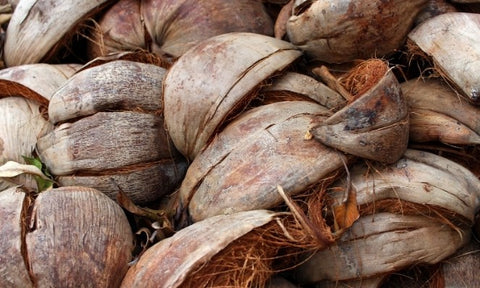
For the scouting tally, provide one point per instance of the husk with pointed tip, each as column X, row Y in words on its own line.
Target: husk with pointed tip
column 170, row 28
column 452, row 41
column 38, row 28
column 437, row 113
column 201, row 92
column 264, row 147
column 373, row 126
column 346, row 30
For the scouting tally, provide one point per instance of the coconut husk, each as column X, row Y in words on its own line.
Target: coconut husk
column 114, row 86
column 306, row 86
column 264, row 147
column 227, row 87
column 374, row 125
column 63, row 237
column 170, row 28
column 42, row 28
column 450, row 40
column 351, row 30
column 437, row 113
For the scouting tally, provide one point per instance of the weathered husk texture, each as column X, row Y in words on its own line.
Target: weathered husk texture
column 347, row 30
column 452, row 41
column 431, row 202
column 374, row 126
column 438, row 114
column 264, row 147
column 69, row 235
column 110, row 132
column 169, row 262
column 172, row 27
column 201, row 92
column 38, row 27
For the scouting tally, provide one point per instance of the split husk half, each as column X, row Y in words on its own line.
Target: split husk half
column 110, row 132
column 169, row 28
column 437, row 113
column 264, row 147
column 38, row 29
column 64, row 237
column 202, row 93
column 451, row 40
column 346, row 30
column 374, row 124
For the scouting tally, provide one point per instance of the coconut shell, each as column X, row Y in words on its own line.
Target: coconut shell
column 452, row 41
column 41, row 28
column 113, row 86
column 201, row 92
column 383, row 243
column 346, row 30
column 169, row 262
column 264, row 147
column 374, row 126
column 170, row 28
column 438, row 114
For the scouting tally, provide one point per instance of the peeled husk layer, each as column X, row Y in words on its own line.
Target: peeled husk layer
column 202, row 92
column 452, row 41
column 65, row 236
column 264, row 147
column 347, row 30
column 438, row 114
column 170, row 28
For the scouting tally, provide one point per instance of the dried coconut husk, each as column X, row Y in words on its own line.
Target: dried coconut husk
column 406, row 209
column 170, row 28
column 434, row 8
column 202, row 93
column 437, row 113
column 262, row 148
column 39, row 29
column 451, row 40
column 346, row 30
column 374, row 125
column 382, row 243
column 306, row 86
column 24, row 94
column 232, row 250
column 110, row 130
column 65, row 237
